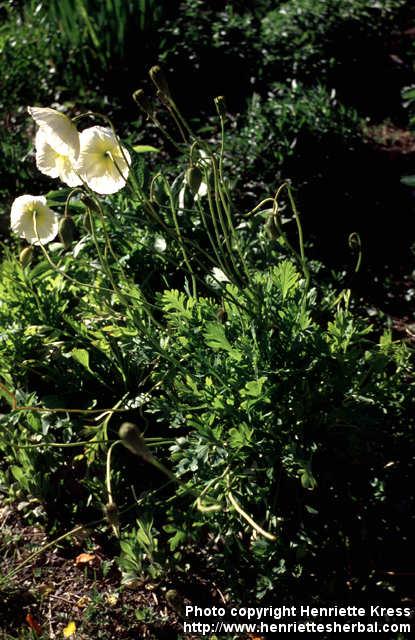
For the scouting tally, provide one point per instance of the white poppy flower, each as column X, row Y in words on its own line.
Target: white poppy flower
column 60, row 131
column 54, row 164
column 217, row 278
column 219, row 275
column 201, row 192
column 25, row 210
column 101, row 163
column 160, row 244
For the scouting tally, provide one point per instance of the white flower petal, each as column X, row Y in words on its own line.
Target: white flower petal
column 54, row 164
column 60, row 131
column 182, row 194
column 45, row 156
column 160, row 244
column 102, row 162
column 67, row 173
column 204, row 161
column 219, row 275
column 202, row 191
column 25, row 209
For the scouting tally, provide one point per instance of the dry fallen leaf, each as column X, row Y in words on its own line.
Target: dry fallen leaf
column 83, row 601
column 85, row 558
column 33, row 624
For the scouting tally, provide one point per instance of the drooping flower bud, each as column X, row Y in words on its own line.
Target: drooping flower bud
column 159, row 80
column 90, row 203
column 355, row 242
column 194, row 178
column 220, row 106
column 132, row 439
column 26, row 256
column 143, row 102
column 66, row 231
column 86, row 222
column 271, row 228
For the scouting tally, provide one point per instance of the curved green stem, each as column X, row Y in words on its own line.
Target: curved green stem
column 69, row 198
column 300, row 236
column 59, row 445
column 249, row 520
column 259, row 206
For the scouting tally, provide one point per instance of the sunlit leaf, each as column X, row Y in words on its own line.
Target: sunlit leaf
column 145, row 148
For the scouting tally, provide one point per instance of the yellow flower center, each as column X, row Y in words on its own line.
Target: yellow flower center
column 36, row 212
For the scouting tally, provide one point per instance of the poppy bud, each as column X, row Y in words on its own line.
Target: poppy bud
column 222, row 315
column 86, row 222
column 66, row 231
column 194, row 179
column 271, row 228
column 143, row 102
column 90, row 203
column 221, row 106
column 26, row 256
column 132, row 439
column 159, row 80
column 355, row 242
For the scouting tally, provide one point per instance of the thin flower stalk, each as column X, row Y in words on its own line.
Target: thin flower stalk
column 219, row 205
column 211, row 240
column 180, row 239
column 225, row 204
column 227, row 268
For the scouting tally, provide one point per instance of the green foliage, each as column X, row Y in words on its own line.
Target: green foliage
column 408, row 95
column 296, row 131
column 139, row 550
column 278, row 424
column 28, row 73
column 102, row 30
column 310, row 38
column 300, row 400
column 339, row 43
column 280, row 414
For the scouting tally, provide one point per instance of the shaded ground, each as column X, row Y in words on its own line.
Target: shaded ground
column 79, row 582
